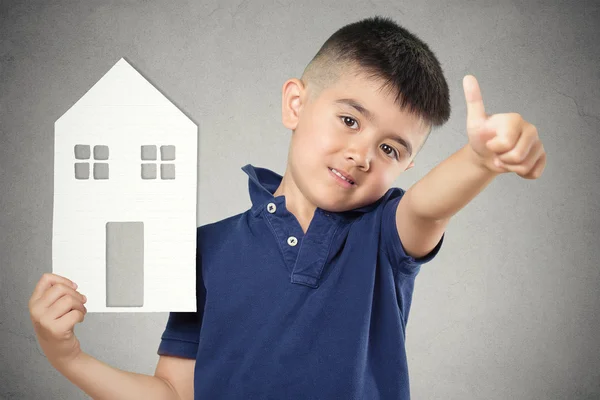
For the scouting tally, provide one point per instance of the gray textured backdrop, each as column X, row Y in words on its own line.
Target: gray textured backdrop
column 508, row 309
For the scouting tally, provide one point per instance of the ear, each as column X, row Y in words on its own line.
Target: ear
column 412, row 164
column 292, row 96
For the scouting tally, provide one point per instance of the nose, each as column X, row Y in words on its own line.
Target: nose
column 359, row 153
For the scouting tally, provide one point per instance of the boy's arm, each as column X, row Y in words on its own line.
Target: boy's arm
column 178, row 372
column 101, row 381
column 426, row 208
column 497, row 144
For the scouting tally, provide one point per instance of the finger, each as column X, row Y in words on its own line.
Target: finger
column 68, row 321
column 526, row 166
column 48, row 316
column 536, row 154
column 63, row 305
column 538, row 168
column 475, row 108
column 47, row 280
column 522, row 149
column 56, row 292
column 508, row 131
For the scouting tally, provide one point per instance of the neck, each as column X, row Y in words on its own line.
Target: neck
column 295, row 202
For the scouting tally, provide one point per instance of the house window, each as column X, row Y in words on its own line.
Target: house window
column 82, row 169
column 167, row 169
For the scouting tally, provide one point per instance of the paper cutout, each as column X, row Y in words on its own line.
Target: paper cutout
column 125, row 182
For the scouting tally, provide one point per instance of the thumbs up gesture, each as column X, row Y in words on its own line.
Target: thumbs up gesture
column 502, row 142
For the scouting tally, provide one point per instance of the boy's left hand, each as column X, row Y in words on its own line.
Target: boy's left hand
column 507, row 138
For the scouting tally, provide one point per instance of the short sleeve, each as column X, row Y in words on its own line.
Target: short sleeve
column 182, row 333
column 391, row 240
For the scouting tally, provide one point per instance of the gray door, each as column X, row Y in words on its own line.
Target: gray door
column 124, row 264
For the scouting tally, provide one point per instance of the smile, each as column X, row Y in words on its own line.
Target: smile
column 345, row 182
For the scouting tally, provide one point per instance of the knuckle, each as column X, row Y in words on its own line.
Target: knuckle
column 516, row 156
column 52, row 289
column 71, row 301
column 534, row 130
column 44, row 322
column 531, row 171
column 521, row 170
column 62, row 288
column 55, row 330
column 35, row 315
column 505, row 143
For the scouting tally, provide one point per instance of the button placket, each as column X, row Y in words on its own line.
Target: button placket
column 315, row 249
column 283, row 225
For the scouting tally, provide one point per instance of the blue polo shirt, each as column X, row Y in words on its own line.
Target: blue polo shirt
column 284, row 315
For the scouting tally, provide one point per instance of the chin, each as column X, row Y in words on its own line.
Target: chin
column 337, row 206
column 326, row 203
column 333, row 208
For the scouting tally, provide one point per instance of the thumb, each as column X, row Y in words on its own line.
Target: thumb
column 476, row 115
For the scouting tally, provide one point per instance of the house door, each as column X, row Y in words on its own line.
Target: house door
column 124, row 264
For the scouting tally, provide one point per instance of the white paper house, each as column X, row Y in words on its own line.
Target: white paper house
column 125, row 180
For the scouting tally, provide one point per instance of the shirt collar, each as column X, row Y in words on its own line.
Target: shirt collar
column 263, row 183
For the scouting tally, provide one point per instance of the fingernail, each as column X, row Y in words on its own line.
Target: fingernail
column 74, row 285
column 84, row 298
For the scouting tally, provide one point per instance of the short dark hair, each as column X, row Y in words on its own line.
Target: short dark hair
column 384, row 51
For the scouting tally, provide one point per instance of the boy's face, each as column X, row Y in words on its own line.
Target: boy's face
column 331, row 135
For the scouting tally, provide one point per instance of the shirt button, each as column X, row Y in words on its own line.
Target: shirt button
column 292, row 241
column 271, row 207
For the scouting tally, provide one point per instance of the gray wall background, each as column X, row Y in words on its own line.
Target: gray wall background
column 508, row 309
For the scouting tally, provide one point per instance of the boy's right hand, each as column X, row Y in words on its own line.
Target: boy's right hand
column 55, row 307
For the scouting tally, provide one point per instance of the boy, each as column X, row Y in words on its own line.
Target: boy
column 306, row 295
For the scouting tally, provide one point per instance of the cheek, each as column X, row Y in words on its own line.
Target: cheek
column 319, row 139
column 306, row 147
column 385, row 179
column 330, row 138
column 330, row 142
column 390, row 178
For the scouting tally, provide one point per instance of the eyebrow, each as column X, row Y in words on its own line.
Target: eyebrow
column 371, row 117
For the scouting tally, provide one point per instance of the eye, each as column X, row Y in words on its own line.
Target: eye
column 390, row 150
column 346, row 119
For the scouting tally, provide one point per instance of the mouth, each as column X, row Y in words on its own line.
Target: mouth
column 343, row 176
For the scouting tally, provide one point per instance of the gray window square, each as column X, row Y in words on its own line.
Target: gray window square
column 82, row 151
column 101, row 152
column 148, row 152
column 100, row 170
column 167, row 153
column 148, row 171
column 82, row 171
column 167, row 171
